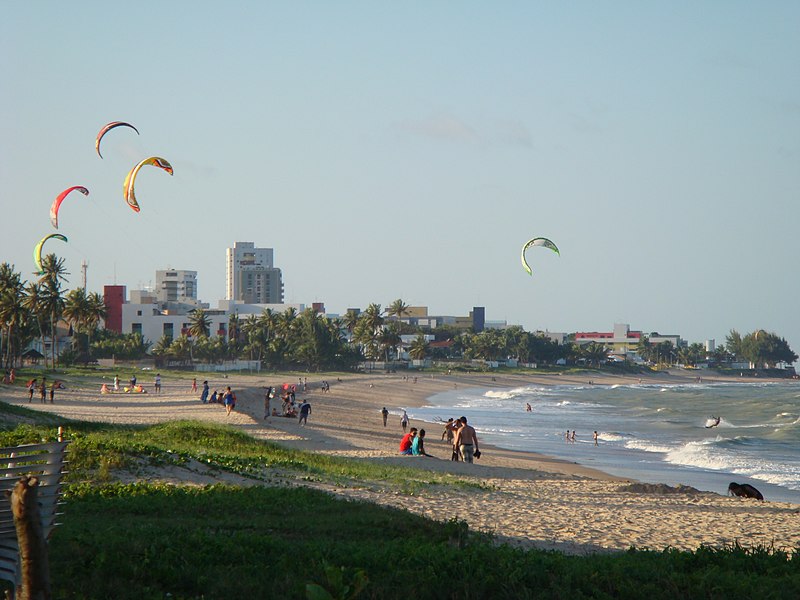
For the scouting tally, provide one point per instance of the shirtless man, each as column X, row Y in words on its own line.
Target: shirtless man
column 466, row 440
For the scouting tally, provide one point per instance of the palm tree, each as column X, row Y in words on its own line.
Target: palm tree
column 594, row 353
column 96, row 311
column 76, row 310
column 54, row 272
column 389, row 338
column 12, row 316
column 644, row 349
column 34, row 303
column 12, row 310
column 199, row 323
column 251, row 328
column 397, row 309
column 181, row 348
column 368, row 328
column 161, row 349
column 350, row 320
column 419, row 347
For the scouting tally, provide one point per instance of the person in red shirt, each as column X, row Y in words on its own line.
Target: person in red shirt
column 408, row 439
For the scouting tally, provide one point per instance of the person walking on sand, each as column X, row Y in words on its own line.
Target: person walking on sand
column 194, row 385
column 385, row 414
column 158, row 383
column 43, row 391
column 305, row 410
column 467, row 440
column 229, row 400
column 31, row 387
column 595, row 436
column 204, row 395
column 53, row 387
column 404, row 421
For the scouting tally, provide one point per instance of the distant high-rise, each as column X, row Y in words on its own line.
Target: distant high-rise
column 174, row 285
column 251, row 276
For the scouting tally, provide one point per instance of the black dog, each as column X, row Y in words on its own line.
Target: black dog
column 744, row 490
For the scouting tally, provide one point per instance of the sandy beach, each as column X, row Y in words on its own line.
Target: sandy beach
column 527, row 499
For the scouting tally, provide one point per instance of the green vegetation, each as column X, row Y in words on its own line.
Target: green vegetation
column 281, row 540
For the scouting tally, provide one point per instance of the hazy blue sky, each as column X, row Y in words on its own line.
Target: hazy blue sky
column 409, row 149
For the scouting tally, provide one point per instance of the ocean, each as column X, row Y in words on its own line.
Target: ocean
column 649, row 432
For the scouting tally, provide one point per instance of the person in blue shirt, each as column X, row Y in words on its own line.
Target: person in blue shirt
column 418, row 444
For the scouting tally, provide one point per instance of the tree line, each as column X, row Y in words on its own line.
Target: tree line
column 308, row 339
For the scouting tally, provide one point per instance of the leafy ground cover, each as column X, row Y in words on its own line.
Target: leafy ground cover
column 146, row 540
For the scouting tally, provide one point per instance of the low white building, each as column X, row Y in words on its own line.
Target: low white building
column 153, row 319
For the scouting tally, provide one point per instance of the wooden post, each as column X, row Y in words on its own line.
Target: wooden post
column 35, row 584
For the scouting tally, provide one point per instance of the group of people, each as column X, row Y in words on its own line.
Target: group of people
column 457, row 432
column 227, row 397
column 34, row 385
column 9, row 377
column 413, row 443
column 570, row 437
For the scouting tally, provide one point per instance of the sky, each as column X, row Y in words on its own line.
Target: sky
column 409, row 149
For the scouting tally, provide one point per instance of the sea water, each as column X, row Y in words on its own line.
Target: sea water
column 649, row 432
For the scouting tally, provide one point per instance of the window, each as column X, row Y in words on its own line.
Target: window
column 136, row 328
column 138, row 313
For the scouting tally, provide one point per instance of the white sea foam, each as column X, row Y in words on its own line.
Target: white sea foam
column 611, row 437
column 647, row 446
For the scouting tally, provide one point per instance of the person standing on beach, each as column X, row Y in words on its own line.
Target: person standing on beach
column 466, row 440
column 43, row 391
column 385, row 414
column 229, row 400
column 204, row 395
column 404, row 421
column 305, row 410
column 595, row 437
column 267, row 397
column 53, row 387
column 194, row 385
column 31, row 387
column 158, row 383
column 116, row 383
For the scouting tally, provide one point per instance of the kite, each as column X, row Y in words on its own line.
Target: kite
column 106, row 128
column 37, row 250
column 60, row 198
column 539, row 241
column 127, row 187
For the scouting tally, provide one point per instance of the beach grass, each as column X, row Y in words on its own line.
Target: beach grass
column 155, row 540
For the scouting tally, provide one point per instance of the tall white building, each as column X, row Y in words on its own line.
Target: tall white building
column 174, row 285
column 251, row 276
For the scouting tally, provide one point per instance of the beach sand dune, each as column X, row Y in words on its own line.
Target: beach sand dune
column 522, row 498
